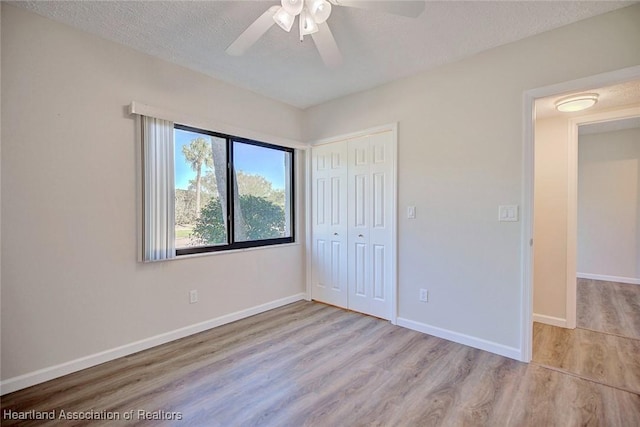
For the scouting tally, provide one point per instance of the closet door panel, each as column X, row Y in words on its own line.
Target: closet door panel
column 359, row 223
column 370, row 225
column 329, row 229
column 382, row 233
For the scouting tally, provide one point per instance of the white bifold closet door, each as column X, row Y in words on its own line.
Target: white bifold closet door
column 329, row 219
column 353, row 225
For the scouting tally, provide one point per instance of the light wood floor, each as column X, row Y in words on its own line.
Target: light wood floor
column 316, row 365
column 600, row 357
column 609, row 307
column 605, row 347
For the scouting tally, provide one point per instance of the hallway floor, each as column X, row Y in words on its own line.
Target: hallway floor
column 605, row 347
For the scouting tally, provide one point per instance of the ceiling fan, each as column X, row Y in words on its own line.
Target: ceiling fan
column 312, row 20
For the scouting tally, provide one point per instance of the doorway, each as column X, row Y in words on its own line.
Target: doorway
column 555, row 230
column 566, row 294
column 560, row 297
column 605, row 340
column 608, row 228
column 617, row 259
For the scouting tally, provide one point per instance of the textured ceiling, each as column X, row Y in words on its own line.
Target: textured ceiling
column 377, row 47
column 612, row 126
column 614, row 96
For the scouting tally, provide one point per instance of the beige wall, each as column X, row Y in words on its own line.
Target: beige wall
column 550, row 217
column 460, row 156
column 71, row 285
column 608, row 204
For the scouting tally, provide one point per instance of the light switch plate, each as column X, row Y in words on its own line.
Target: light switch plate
column 411, row 212
column 508, row 213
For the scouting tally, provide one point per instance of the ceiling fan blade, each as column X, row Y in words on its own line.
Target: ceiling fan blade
column 253, row 33
column 408, row 8
column 326, row 44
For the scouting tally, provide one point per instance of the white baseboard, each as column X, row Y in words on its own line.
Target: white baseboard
column 502, row 350
column 32, row 378
column 550, row 320
column 604, row 278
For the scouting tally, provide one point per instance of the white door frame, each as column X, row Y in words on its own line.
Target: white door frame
column 599, row 80
column 393, row 128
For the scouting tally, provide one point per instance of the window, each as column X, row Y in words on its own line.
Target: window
column 230, row 192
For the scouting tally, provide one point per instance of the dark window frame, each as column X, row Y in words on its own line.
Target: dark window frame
column 231, row 243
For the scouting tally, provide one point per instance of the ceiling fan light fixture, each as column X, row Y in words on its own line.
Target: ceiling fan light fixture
column 293, row 7
column 307, row 24
column 574, row 103
column 284, row 19
column 313, row 16
column 320, row 10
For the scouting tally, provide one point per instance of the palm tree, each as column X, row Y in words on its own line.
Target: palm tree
column 199, row 154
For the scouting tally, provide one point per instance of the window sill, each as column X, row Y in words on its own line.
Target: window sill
column 228, row 252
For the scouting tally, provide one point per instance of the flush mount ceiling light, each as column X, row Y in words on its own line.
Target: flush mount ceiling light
column 574, row 103
column 312, row 16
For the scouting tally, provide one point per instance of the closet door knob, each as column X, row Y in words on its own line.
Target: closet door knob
column 360, row 235
column 335, row 234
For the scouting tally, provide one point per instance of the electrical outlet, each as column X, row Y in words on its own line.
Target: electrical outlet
column 424, row 295
column 193, row 296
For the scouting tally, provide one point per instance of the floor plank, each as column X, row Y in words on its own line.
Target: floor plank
column 609, row 307
column 605, row 358
column 308, row 364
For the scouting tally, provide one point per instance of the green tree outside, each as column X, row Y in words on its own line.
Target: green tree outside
column 198, row 153
column 263, row 220
column 200, row 210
